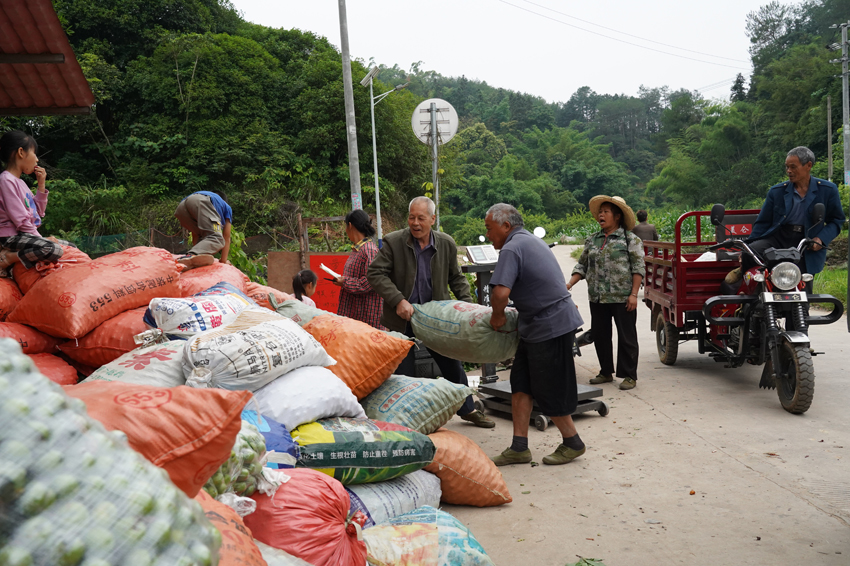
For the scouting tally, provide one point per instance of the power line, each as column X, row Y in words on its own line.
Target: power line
column 631, row 35
column 617, row 39
column 718, row 84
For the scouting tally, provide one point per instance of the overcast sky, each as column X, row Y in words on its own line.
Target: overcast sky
column 541, row 47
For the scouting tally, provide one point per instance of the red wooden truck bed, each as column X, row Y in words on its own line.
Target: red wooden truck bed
column 675, row 283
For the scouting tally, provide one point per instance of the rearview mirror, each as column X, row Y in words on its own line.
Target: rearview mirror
column 718, row 212
column 818, row 213
column 540, row 232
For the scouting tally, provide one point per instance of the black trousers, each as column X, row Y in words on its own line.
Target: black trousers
column 627, row 342
column 451, row 369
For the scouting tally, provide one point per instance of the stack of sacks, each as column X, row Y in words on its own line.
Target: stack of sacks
column 424, row 537
column 88, row 303
column 196, row 280
column 467, row 475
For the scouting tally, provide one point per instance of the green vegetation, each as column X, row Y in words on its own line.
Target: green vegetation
column 189, row 96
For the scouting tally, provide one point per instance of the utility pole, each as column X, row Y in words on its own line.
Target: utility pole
column 350, row 125
column 829, row 135
column 845, row 79
column 435, row 176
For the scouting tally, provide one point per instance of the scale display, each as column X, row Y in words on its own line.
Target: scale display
column 482, row 254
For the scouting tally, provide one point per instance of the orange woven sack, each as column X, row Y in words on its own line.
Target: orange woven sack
column 31, row 340
column 54, row 368
column 237, row 543
column 10, row 296
column 75, row 300
column 186, row 431
column 202, row 278
column 260, row 294
column 26, row 278
column 308, row 518
column 467, row 475
column 109, row 341
column 365, row 357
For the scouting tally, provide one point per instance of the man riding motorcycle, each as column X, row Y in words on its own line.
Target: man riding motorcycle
column 785, row 217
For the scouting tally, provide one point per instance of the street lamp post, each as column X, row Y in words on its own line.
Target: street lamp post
column 375, row 100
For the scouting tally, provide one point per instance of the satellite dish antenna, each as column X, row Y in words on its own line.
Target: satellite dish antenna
column 435, row 123
column 540, row 232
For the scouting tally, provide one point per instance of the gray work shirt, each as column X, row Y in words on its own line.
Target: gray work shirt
column 422, row 289
column 538, row 289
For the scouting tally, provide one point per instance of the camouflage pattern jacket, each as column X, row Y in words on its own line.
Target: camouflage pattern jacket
column 608, row 263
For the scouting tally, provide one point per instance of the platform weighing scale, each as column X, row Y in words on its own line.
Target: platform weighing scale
column 494, row 394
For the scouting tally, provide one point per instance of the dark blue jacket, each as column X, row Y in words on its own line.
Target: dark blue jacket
column 779, row 202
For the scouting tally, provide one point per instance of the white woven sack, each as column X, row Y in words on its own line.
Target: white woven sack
column 252, row 351
column 185, row 317
column 160, row 365
column 306, row 395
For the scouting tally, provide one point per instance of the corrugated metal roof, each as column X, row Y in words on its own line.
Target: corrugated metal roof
column 30, row 84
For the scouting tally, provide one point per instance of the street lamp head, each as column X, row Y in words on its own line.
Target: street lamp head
column 369, row 76
column 399, row 87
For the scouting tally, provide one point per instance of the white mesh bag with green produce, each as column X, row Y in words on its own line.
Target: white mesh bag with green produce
column 244, row 473
column 73, row 493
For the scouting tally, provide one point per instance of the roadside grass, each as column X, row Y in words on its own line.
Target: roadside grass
column 832, row 281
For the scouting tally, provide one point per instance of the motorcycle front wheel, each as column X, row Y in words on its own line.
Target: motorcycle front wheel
column 795, row 382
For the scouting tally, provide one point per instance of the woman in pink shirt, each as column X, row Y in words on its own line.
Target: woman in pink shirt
column 20, row 210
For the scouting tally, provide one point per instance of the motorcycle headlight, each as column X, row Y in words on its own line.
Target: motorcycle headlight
column 786, row 276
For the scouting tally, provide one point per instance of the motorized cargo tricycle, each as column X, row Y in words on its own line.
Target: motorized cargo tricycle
column 762, row 319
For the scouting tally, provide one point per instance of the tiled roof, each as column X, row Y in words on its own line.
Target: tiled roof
column 39, row 74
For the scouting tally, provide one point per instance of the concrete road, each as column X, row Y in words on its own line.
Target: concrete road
column 696, row 465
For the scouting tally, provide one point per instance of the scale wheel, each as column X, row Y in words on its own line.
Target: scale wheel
column 541, row 422
column 479, row 405
column 603, row 410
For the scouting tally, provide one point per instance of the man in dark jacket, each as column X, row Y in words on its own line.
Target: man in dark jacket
column 644, row 230
column 786, row 217
column 417, row 265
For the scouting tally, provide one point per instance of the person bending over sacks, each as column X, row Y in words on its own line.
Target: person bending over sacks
column 208, row 217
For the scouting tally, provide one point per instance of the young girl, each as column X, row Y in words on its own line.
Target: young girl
column 20, row 210
column 304, row 285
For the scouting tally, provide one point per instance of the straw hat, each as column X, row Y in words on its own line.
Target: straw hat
column 629, row 220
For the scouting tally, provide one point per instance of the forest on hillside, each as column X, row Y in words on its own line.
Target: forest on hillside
column 189, row 96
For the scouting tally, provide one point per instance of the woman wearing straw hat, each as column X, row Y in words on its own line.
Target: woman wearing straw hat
column 612, row 263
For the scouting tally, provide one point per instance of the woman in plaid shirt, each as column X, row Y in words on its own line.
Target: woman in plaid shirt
column 357, row 299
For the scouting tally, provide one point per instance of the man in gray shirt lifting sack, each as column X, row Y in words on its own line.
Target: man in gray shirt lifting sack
column 543, row 369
